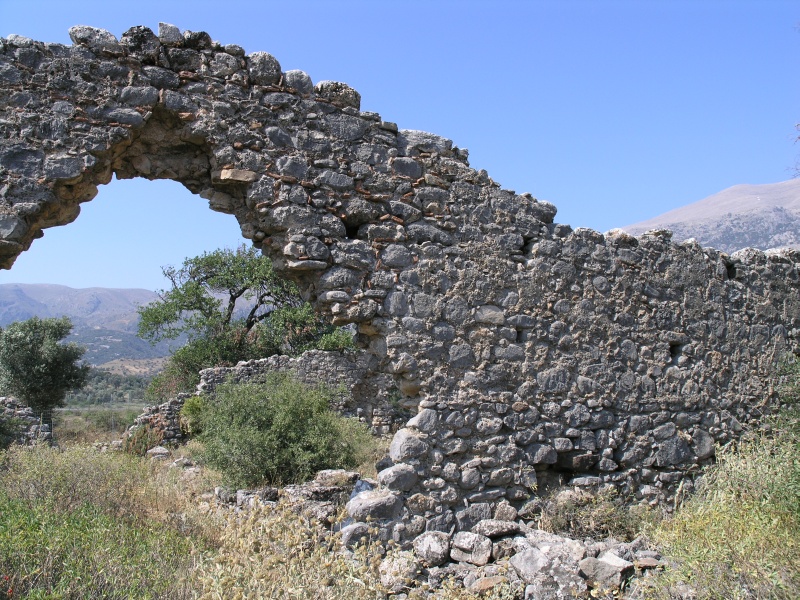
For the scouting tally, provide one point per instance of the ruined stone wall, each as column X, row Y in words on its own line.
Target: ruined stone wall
column 368, row 396
column 532, row 351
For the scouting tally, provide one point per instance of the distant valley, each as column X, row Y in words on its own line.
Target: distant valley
column 104, row 320
column 756, row 216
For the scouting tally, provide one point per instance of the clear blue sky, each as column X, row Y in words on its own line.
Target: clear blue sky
column 615, row 111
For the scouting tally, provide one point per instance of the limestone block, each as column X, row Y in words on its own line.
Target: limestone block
column 375, row 504
column 529, row 564
column 237, row 176
column 433, row 548
column 97, row 40
column 607, row 572
column 470, row 547
column 264, row 68
column 407, row 444
column 398, row 570
column 493, row 528
column 338, row 93
column 400, row 477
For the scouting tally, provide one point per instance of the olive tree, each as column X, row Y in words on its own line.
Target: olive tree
column 232, row 306
column 36, row 367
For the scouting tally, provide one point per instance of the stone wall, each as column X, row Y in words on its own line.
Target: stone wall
column 371, row 397
column 368, row 396
column 533, row 352
column 21, row 420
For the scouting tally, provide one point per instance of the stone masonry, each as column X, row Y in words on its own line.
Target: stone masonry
column 530, row 350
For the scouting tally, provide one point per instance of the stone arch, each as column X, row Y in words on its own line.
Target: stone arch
column 526, row 348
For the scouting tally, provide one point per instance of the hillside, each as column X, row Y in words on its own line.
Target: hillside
column 104, row 320
column 757, row 216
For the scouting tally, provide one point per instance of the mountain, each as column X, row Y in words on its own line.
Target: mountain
column 104, row 320
column 756, row 216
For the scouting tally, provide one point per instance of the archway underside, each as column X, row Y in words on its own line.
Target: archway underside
column 528, row 350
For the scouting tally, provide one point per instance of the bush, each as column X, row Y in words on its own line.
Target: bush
column 605, row 513
column 192, row 414
column 11, row 430
column 278, row 432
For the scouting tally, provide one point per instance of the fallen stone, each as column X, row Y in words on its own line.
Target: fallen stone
column 529, row 564
column 608, row 572
column 398, row 571
column 376, row 505
column 433, row 548
column 336, row 477
column 158, row 453
column 469, row 547
column 485, row 585
column 493, row 528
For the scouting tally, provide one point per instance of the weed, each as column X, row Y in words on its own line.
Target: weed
column 739, row 536
column 141, row 439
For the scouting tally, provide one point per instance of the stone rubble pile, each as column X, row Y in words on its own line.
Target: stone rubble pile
column 495, row 546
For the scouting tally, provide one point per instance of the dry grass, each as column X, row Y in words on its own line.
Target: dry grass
column 86, row 425
column 579, row 514
column 274, row 552
column 739, row 537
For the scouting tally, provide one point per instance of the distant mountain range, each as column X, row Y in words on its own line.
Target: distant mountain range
column 104, row 320
column 755, row 216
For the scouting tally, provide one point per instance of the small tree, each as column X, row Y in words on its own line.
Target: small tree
column 35, row 367
column 233, row 307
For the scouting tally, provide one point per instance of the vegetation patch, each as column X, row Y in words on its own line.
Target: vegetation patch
column 738, row 537
column 84, row 524
column 276, row 432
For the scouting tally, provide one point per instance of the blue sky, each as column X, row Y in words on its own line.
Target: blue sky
column 615, row 111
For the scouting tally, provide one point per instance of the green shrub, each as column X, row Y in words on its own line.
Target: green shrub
column 278, row 432
column 67, row 479
column 11, row 429
column 338, row 339
column 80, row 523
column 84, row 553
column 192, row 414
column 141, row 439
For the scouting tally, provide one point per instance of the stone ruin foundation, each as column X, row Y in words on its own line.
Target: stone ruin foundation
column 529, row 352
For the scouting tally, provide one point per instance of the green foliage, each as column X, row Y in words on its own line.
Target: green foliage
column 35, row 367
column 790, row 385
column 278, row 432
column 193, row 414
column 141, row 439
column 193, row 305
column 10, row 431
column 79, row 524
column 103, row 387
column 205, row 304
